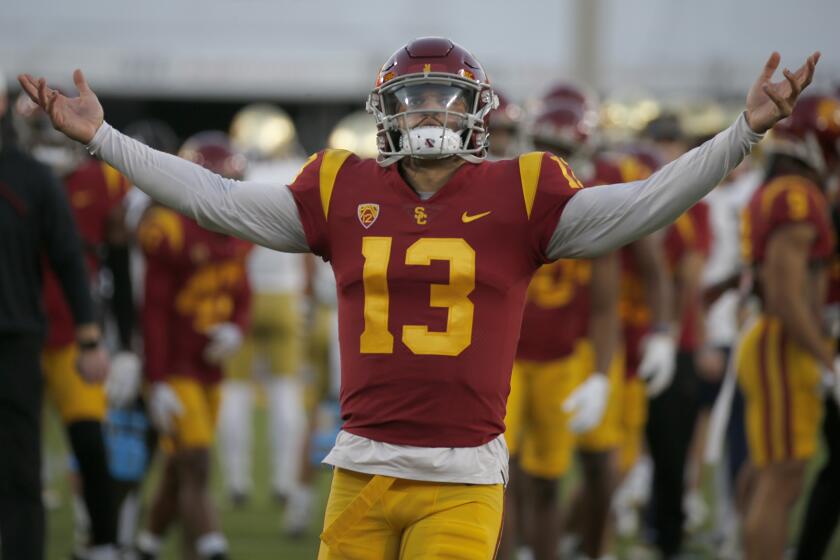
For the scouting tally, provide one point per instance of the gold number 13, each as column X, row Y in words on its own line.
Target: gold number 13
column 377, row 339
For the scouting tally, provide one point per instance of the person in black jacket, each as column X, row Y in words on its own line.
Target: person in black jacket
column 35, row 222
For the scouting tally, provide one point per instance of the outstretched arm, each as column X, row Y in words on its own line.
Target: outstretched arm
column 263, row 213
column 600, row 219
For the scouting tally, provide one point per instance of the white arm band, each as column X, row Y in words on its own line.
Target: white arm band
column 263, row 213
column 600, row 219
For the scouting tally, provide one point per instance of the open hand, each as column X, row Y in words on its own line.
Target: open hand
column 769, row 102
column 77, row 117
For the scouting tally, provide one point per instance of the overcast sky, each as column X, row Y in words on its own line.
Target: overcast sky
column 332, row 49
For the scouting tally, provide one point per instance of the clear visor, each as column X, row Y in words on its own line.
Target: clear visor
column 430, row 105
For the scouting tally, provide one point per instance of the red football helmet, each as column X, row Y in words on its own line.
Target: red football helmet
column 564, row 128
column 567, row 121
column 505, row 122
column 212, row 149
column 431, row 100
column 811, row 133
column 506, row 115
column 563, row 93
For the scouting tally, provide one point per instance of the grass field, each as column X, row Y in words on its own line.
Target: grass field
column 254, row 531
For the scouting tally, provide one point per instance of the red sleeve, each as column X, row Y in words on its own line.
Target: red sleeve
column 159, row 240
column 306, row 188
column 556, row 186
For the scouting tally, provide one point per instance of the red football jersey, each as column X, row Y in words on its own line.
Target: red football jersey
column 94, row 190
column 430, row 292
column 556, row 311
column 634, row 312
column 633, row 307
column 195, row 279
column 557, row 306
column 691, row 232
column 781, row 201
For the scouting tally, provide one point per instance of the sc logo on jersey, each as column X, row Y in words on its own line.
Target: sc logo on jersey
column 420, row 216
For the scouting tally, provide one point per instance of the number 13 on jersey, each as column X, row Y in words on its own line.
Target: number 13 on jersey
column 454, row 296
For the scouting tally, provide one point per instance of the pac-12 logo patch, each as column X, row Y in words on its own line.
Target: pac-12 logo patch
column 368, row 213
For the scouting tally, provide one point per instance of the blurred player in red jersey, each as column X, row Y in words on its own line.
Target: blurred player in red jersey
column 648, row 343
column 194, row 312
column 433, row 249
column 788, row 240
column 95, row 191
column 505, row 121
column 585, row 319
column 823, row 509
column 559, row 388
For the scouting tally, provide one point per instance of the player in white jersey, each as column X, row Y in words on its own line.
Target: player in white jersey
column 273, row 346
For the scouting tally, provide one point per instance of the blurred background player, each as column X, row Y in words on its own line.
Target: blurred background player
column 195, row 311
column 273, row 344
column 505, row 123
column 788, row 240
column 131, row 439
column 823, row 507
column 95, row 191
column 572, row 314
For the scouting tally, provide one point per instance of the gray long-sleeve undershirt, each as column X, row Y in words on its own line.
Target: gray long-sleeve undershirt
column 595, row 221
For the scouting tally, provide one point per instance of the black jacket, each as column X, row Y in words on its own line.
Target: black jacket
column 36, row 222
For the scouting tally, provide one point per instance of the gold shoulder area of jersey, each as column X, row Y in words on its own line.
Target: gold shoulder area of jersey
column 158, row 225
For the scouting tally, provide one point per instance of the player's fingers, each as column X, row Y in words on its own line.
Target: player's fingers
column 42, row 92
column 770, row 67
column 779, row 101
column 29, row 85
column 80, row 81
column 54, row 106
column 808, row 70
column 795, row 88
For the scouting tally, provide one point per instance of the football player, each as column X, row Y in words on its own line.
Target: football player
column 823, row 509
column 788, row 240
column 194, row 313
column 433, row 250
column 505, row 121
column 267, row 135
column 96, row 192
column 561, row 383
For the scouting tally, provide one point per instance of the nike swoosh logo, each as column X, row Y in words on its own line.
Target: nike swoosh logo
column 467, row 218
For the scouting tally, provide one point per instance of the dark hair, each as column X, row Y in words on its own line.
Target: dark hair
column 664, row 128
column 783, row 164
